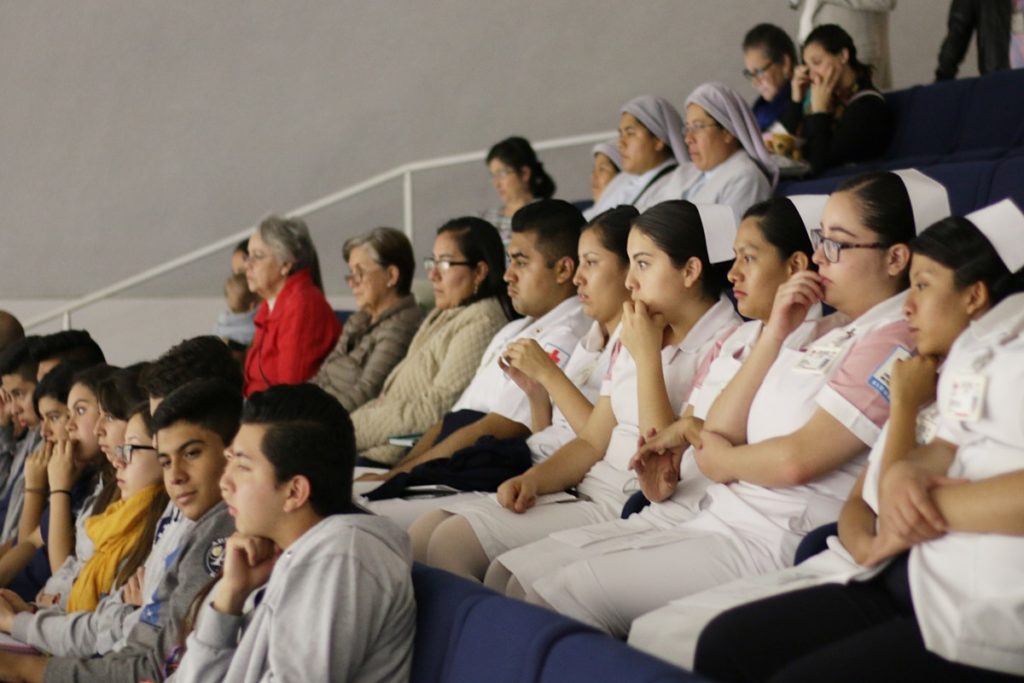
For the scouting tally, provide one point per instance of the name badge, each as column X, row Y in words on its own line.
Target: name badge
column 966, row 397
column 927, row 425
column 818, row 360
column 881, row 378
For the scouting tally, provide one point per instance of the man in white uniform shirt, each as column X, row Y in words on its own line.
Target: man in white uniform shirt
column 542, row 261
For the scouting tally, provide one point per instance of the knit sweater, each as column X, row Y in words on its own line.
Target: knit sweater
column 441, row 361
column 367, row 351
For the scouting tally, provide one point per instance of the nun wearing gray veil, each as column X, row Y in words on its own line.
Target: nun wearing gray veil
column 729, row 163
column 654, row 167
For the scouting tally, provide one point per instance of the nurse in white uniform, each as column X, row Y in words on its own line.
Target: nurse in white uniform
column 651, row 149
column 725, row 145
column 773, row 243
column 956, row 275
column 786, row 439
column 677, row 271
column 951, row 608
column 561, row 403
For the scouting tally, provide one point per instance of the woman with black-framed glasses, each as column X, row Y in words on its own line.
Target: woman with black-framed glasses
column 768, row 60
column 786, row 439
column 470, row 305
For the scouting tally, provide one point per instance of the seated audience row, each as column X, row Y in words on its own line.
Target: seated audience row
column 138, row 551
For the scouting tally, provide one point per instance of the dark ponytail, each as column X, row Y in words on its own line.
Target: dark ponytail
column 675, row 228
column 516, row 152
column 479, row 241
column 957, row 244
column 833, row 40
column 783, row 228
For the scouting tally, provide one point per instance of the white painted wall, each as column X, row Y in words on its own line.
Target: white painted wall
column 136, row 130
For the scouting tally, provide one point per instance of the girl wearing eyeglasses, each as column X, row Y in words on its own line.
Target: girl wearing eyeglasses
column 471, row 304
column 939, row 505
column 785, row 439
column 768, row 60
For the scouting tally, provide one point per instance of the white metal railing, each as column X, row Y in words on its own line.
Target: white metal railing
column 405, row 172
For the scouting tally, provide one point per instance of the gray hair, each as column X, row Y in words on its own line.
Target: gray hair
column 289, row 241
column 389, row 247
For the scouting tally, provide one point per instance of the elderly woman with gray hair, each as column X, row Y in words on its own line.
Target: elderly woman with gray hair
column 295, row 326
column 381, row 267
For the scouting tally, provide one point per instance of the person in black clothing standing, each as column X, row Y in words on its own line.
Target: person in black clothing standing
column 992, row 20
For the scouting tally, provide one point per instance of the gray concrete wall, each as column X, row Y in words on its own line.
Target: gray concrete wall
column 136, row 130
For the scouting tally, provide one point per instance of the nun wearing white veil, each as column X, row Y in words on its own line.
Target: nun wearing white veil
column 723, row 143
column 651, row 148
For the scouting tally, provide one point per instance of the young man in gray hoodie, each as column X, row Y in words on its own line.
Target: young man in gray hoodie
column 193, row 426
column 332, row 589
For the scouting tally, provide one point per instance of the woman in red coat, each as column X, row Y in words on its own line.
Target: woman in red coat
column 295, row 326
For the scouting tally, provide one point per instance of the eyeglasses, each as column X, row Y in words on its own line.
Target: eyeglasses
column 832, row 249
column 125, row 452
column 757, row 73
column 503, row 173
column 358, row 274
column 443, row 265
column 698, row 126
column 257, row 256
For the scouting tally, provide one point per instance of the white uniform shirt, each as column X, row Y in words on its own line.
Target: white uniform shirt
column 737, row 182
column 767, row 518
column 586, row 369
column 679, row 365
column 968, row 589
column 722, row 364
column 491, row 391
column 626, row 188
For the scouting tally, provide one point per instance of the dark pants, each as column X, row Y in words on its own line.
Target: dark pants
column 857, row 632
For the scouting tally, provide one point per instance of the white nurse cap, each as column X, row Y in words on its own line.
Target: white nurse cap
column 719, row 224
column 1003, row 224
column 928, row 198
column 810, row 208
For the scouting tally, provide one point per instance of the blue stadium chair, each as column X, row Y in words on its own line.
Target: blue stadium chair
column 442, row 603
column 930, row 125
column 594, row 657
column 1008, row 181
column 994, row 118
column 967, row 183
column 505, row 641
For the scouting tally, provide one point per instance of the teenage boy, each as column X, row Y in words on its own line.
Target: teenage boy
column 335, row 592
column 67, row 346
column 542, row 261
column 193, row 426
column 106, row 629
column 17, row 383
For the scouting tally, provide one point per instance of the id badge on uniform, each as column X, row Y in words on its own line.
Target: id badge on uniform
column 881, row 378
column 818, row 360
column 966, row 397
